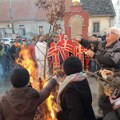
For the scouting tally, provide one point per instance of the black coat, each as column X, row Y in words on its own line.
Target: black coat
column 76, row 102
column 107, row 57
column 113, row 115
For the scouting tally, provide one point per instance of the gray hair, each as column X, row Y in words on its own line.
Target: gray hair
column 115, row 31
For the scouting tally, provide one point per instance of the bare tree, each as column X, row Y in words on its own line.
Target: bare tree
column 55, row 10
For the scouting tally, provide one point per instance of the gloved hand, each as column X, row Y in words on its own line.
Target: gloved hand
column 55, row 77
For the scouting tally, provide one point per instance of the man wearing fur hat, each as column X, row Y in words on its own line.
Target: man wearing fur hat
column 107, row 52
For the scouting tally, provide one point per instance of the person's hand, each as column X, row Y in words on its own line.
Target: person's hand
column 115, row 102
column 112, row 99
column 54, row 77
column 105, row 73
column 90, row 53
column 77, row 38
column 58, row 78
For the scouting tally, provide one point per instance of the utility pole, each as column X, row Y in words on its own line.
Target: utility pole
column 11, row 19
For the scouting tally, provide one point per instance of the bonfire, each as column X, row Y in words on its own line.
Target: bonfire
column 48, row 109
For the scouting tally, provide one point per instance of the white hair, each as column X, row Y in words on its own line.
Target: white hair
column 115, row 31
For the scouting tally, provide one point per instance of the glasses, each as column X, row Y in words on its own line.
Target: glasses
column 108, row 33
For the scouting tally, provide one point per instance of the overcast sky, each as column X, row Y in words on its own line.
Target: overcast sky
column 114, row 1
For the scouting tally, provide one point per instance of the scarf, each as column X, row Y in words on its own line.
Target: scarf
column 71, row 78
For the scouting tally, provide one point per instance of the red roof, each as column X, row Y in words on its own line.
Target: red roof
column 21, row 10
column 26, row 9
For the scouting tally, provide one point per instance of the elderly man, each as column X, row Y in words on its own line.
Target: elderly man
column 107, row 53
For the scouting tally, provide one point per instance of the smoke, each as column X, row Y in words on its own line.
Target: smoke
column 4, row 79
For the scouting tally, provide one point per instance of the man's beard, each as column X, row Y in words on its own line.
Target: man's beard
column 55, row 41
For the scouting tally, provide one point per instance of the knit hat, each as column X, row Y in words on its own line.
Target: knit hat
column 20, row 77
column 72, row 65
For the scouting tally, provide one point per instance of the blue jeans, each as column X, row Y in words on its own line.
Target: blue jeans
column 93, row 66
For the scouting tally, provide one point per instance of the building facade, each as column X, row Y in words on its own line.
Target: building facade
column 29, row 20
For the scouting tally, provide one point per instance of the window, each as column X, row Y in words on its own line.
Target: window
column 41, row 31
column 96, row 27
column 3, row 32
column 22, row 30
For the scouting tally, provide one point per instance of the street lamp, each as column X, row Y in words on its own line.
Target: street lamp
column 76, row 2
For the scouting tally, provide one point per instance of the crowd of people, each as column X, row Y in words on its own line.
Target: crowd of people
column 59, row 48
column 9, row 53
column 74, row 97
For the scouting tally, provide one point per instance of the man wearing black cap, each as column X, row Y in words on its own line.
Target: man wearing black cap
column 21, row 102
column 74, row 96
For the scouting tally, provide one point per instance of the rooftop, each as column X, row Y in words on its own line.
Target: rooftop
column 25, row 10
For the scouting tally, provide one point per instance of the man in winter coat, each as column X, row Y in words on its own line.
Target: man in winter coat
column 108, row 52
column 74, row 96
column 107, row 55
column 21, row 102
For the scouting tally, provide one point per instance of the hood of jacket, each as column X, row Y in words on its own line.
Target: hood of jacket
column 21, row 101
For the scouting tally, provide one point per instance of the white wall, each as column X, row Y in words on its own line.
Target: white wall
column 30, row 26
column 105, row 23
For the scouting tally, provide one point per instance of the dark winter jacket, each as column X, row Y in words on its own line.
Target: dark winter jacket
column 106, row 106
column 113, row 115
column 22, row 103
column 107, row 57
column 75, row 101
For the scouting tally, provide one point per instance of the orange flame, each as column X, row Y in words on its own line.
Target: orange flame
column 49, row 107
